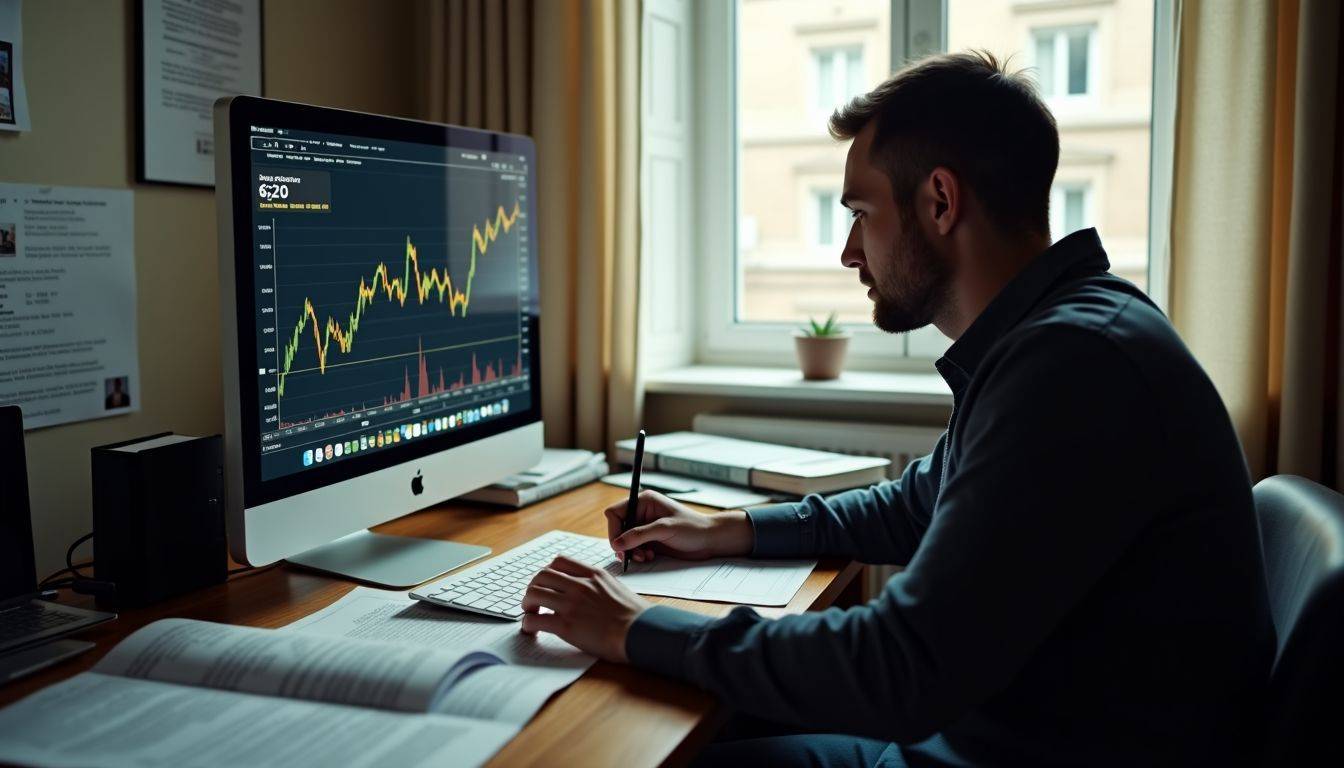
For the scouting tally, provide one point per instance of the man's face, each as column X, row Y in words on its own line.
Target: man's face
column 907, row 280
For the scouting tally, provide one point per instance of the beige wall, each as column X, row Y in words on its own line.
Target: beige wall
column 79, row 65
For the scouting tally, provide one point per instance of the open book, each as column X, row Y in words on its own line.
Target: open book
column 181, row 692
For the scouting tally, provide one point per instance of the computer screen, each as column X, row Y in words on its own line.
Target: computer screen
column 392, row 294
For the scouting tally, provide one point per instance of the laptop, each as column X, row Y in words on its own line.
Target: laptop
column 26, row 621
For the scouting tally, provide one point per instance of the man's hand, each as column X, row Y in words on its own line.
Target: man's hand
column 665, row 526
column 590, row 609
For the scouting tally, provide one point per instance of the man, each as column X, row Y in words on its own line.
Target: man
column 1083, row 580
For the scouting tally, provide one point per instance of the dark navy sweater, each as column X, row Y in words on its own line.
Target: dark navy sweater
column 1083, row 580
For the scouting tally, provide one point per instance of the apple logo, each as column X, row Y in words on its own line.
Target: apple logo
column 417, row 484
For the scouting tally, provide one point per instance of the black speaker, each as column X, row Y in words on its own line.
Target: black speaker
column 158, row 517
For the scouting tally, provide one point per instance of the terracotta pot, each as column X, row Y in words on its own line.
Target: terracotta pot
column 821, row 357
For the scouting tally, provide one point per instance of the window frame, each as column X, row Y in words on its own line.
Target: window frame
column 1068, row 102
column 721, row 338
column 918, row 27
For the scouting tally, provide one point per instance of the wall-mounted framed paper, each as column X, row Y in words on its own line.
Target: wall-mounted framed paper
column 190, row 53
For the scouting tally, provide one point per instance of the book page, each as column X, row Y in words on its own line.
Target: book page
column 373, row 614
column 290, row 665
column 94, row 719
column 536, row 668
column 504, row 693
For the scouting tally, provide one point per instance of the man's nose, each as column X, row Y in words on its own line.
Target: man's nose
column 852, row 254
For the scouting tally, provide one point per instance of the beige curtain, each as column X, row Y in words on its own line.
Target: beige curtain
column 567, row 72
column 1255, row 219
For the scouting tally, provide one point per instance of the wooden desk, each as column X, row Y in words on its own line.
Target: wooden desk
column 661, row 721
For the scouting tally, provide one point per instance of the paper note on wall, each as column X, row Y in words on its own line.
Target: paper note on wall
column 68, row 347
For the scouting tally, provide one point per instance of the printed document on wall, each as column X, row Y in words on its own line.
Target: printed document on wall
column 191, row 54
column 68, row 349
column 13, row 95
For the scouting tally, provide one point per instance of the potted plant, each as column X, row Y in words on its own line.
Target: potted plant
column 821, row 348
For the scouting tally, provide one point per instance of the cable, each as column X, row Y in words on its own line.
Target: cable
column 77, row 580
column 69, row 570
column 58, row 584
column 70, row 556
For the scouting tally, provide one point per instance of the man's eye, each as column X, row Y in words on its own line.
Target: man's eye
column 854, row 214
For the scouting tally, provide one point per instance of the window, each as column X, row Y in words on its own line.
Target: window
column 796, row 62
column 768, row 73
column 837, row 77
column 830, row 220
column 1070, row 208
column 1063, row 61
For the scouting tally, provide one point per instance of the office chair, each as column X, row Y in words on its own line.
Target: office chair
column 1302, row 531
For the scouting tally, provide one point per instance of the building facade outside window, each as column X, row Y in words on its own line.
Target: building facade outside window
column 795, row 57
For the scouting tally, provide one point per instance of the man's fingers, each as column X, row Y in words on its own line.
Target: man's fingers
column 541, row 622
column 615, row 521
column 553, row 579
column 644, row 534
column 537, row 597
column 571, row 567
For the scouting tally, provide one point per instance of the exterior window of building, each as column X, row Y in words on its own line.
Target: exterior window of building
column 1070, row 208
column 838, row 73
column 831, row 220
column 796, row 62
column 1064, row 61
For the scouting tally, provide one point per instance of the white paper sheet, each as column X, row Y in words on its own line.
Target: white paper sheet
column 94, row 719
column 692, row 490
column 193, row 53
column 68, row 345
column 725, row 580
column 13, row 93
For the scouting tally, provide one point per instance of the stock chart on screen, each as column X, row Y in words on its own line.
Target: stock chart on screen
column 392, row 279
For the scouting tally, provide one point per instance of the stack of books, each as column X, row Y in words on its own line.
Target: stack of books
column 559, row 471
column 751, row 464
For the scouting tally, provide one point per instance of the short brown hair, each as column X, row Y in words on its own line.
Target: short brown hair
column 966, row 112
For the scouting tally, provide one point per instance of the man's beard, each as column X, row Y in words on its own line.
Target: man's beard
column 915, row 287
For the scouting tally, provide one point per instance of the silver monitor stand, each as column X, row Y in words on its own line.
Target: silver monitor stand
column 399, row 562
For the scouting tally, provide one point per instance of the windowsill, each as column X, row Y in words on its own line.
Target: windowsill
column 887, row 388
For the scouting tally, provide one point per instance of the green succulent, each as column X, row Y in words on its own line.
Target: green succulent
column 828, row 328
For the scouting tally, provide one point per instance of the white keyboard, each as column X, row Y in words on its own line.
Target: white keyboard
column 496, row 586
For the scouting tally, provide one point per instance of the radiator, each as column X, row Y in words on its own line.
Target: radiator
column 898, row 443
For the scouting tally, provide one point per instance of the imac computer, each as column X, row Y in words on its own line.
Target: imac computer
column 379, row 306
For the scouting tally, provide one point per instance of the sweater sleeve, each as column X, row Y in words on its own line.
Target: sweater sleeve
column 880, row 524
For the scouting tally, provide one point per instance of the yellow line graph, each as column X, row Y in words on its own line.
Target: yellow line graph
column 431, row 284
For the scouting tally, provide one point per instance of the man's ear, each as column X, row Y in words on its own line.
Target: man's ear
column 945, row 194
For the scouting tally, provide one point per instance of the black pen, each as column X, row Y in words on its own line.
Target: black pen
column 632, row 506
